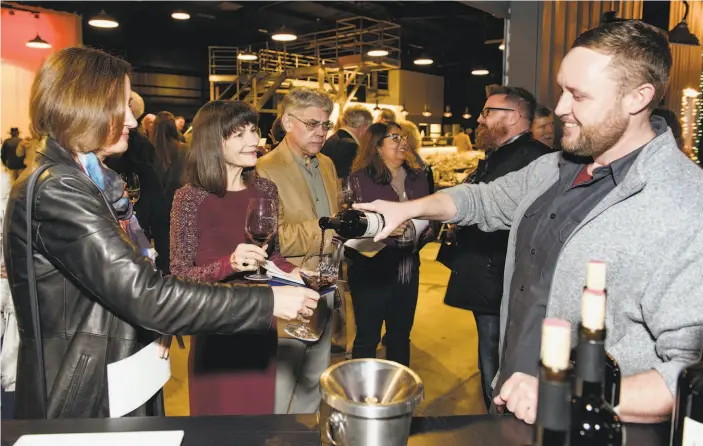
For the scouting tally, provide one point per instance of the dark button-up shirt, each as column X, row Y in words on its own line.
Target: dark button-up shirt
column 546, row 227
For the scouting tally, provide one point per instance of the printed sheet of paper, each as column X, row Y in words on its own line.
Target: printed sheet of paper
column 133, row 380
column 275, row 271
column 161, row 438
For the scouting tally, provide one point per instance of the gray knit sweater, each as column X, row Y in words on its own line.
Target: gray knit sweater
column 647, row 230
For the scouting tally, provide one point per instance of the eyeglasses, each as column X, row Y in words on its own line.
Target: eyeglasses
column 486, row 111
column 396, row 137
column 313, row 125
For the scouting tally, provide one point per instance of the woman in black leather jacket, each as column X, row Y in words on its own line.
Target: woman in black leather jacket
column 95, row 290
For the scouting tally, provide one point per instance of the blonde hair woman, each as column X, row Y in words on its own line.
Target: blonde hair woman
column 414, row 139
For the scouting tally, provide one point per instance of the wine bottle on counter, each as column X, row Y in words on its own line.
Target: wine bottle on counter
column 351, row 223
column 687, row 419
column 595, row 280
column 593, row 421
column 554, row 409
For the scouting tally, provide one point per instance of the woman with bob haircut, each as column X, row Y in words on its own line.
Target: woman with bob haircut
column 235, row 374
column 95, row 290
column 384, row 288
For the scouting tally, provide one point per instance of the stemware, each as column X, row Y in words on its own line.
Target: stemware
column 319, row 271
column 260, row 227
column 132, row 186
column 350, row 193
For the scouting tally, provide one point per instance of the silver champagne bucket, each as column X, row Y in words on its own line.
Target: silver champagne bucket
column 368, row 402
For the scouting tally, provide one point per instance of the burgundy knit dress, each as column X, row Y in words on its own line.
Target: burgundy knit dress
column 227, row 374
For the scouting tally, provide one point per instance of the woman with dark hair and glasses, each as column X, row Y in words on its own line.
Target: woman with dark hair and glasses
column 170, row 153
column 228, row 375
column 384, row 287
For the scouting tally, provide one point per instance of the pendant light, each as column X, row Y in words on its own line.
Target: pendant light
column 379, row 51
column 180, row 15
column 376, row 108
column 247, row 56
column 426, row 112
column 424, row 59
column 479, row 71
column 681, row 34
column 447, row 112
column 404, row 111
column 502, row 46
column 466, row 114
column 103, row 20
column 38, row 42
column 284, row 35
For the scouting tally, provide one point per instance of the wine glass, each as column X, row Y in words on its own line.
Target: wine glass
column 319, row 271
column 132, row 186
column 407, row 238
column 260, row 227
column 350, row 192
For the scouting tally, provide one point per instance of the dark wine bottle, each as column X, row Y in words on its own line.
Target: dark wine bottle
column 687, row 419
column 593, row 421
column 351, row 223
column 554, row 400
column 595, row 280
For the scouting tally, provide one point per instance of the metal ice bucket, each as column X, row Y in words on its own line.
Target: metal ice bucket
column 368, row 402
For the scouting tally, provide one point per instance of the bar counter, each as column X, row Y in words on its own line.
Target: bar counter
column 302, row 430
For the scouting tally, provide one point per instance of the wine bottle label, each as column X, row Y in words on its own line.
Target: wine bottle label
column 692, row 432
column 374, row 224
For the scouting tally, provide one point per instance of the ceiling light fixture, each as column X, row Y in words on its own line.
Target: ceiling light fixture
column 376, row 108
column 247, row 55
column 284, row 35
column 466, row 114
column 38, row 42
column 426, row 112
column 423, row 60
column 180, row 15
column 404, row 111
column 377, row 53
column 103, row 20
column 480, row 72
column 501, row 46
column 447, row 112
column 681, row 34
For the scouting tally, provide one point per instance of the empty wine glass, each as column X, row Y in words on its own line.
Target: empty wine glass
column 407, row 238
column 260, row 227
column 132, row 186
column 319, row 270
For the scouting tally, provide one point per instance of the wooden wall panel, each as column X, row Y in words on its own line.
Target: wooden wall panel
column 561, row 22
column 688, row 60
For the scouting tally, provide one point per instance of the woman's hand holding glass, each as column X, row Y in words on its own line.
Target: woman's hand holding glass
column 247, row 257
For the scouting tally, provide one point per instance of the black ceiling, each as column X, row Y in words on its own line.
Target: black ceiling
column 452, row 33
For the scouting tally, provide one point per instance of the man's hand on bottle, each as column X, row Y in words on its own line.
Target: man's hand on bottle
column 291, row 302
column 394, row 215
column 519, row 396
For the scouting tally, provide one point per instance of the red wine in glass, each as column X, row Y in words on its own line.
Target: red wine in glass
column 260, row 227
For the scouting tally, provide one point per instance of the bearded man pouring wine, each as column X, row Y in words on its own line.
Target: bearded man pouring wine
column 622, row 192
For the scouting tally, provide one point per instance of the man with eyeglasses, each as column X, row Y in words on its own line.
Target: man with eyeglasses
column 477, row 258
column 307, row 189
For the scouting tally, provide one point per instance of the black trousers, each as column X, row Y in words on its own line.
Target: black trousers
column 377, row 297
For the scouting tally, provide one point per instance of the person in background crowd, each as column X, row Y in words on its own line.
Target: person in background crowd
column 79, row 103
column 672, row 121
column 384, row 288
column 10, row 158
column 9, row 334
column 342, row 146
column 308, row 189
column 386, row 115
column 147, row 124
column 543, row 126
column 170, row 153
column 477, row 258
column 209, row 244
column 413, row 146
column 462, row 141
column 277, row 133
column 151, row 206
column 180, row 124
column 620, row 167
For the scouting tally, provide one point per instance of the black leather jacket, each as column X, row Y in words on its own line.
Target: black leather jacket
column 95, row 292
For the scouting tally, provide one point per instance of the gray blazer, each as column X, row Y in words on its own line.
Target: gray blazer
column 647, row 230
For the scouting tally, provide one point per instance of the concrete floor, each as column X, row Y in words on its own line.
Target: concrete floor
column 444, row 346
column 444, row 351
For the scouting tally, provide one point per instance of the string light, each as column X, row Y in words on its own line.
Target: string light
column 699, row 133
column 690, row 108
